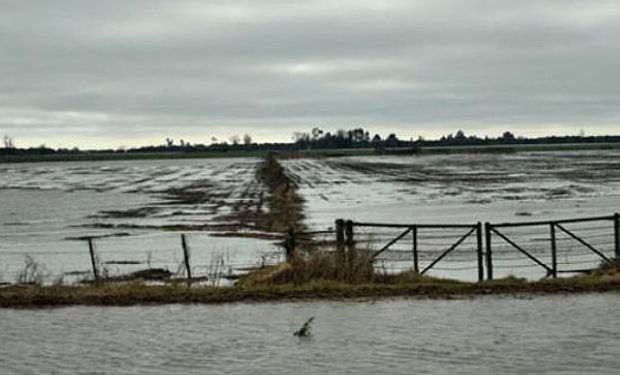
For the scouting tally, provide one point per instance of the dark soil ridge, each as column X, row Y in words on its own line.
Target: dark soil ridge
column 285, row 205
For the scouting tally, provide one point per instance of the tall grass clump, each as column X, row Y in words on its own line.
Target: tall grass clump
column 330, row 267
column 32, row 273
column 607, row 268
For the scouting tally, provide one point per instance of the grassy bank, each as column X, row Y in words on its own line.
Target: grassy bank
column 138, row 293
column 315, row 277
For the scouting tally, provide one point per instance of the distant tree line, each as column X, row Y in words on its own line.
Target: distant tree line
column 353, row 138
column 508, row 138
column 316, row 139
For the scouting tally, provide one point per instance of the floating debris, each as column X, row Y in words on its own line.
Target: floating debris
column 304, row 331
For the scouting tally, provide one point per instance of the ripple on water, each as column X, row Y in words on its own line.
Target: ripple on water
column 557, row 334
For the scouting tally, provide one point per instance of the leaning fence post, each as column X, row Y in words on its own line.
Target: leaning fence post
column 188, row 268
column 340, row 236
column 350, row 242
column 93, row 260
column 414, row 231
column 489, row 255
column 554, row 251
column 617, row 237
column 479, row 252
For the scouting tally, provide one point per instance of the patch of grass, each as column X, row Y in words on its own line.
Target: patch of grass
column 329, row 267
column 136, row 293
column 32, row 273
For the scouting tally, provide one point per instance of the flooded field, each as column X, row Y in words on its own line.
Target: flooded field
column 465, row 189
column 136, row 209
column 573, row 334
column 139, row 208
column 459, row 188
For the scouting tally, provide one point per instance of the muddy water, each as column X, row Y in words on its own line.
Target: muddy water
column 490, row 335
column 495, row 188
column 45, row 207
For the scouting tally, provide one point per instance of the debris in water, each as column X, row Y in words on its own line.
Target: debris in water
column 304, row 331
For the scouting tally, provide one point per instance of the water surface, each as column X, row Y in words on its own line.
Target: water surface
column 486, row 335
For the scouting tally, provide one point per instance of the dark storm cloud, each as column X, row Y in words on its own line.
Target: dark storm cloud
column 116, row 71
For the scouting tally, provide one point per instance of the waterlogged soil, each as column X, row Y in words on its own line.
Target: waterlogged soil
column 528, row 183
column 568, row 334
column 137, row 209
column 465, row 189
column 133, row 209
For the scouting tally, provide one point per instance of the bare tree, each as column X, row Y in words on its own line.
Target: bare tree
column 234, row 139
column 247, row 139
column 8, row 142
column 316, row 133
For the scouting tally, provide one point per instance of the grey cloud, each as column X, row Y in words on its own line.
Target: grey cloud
column 132, row 70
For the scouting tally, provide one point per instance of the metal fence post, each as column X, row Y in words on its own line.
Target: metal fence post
column 489, row 253
column 340, row 237
column 290, row 243
column 186, row 257
column 554, row 251
column 617, row 237
column 350, row 241
column 416, row 266
column 479, row 252
column 93, row 260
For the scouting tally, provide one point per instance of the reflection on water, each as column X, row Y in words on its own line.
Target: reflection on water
column 550, row 334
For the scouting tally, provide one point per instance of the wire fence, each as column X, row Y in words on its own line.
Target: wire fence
column 477, row 251
column 211, row 259
column 473, row 251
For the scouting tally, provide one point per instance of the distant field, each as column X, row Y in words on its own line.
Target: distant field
column 127, row 156
column 305, row 153
column 519, row 148
column 177, row 155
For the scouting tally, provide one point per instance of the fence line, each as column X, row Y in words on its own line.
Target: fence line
column 487, row 234
column 545, row 245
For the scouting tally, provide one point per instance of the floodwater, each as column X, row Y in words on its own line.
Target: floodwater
column 142, row 206
column 569, row 334
column 459, row 188
column 139, row 208
column 465, row 189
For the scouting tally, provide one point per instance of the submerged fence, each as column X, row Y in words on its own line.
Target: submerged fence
column 552, row 246
column 475, row 251
column 192, row 256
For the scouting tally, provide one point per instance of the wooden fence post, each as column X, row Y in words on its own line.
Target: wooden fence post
column 489, row 252
column 188, row 267
column 414, row 231
column 617, row 237
column 93, row 259
column 350, row 242
column 290, row 243
column 479, row 252
column 554, row 251
column 340, row 237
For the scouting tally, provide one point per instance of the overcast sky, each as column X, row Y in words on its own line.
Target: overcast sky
column 119, row 72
